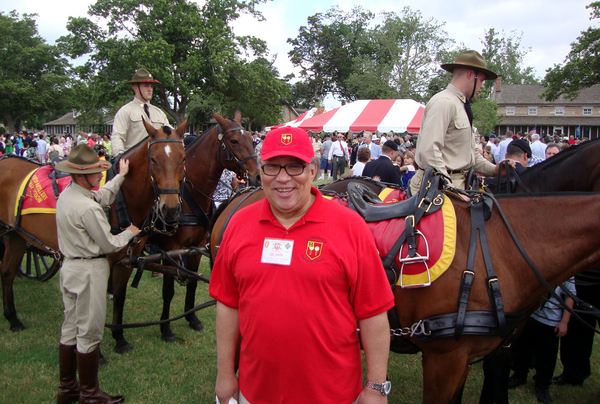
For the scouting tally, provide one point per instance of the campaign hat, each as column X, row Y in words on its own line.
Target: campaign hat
column 473, row 60
column 142, row 76
column 83, row 160
column 287, row 141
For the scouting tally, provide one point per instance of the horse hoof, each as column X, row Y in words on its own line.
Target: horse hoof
column 197, row 326
column 17, row 328
column 169, row 338
column 123, row 349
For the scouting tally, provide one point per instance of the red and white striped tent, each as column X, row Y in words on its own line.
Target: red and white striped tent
column 303, row 117
column 371, row 115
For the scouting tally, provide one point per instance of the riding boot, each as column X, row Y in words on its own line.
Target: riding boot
column 90, row 392
column 68, row 390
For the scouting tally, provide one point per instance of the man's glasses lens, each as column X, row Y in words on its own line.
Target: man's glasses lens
column 291, row 169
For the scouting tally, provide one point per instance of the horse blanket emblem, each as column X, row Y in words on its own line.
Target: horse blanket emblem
column 286, row 138
column 314, row 249
column 436, row 246
column 38, row 193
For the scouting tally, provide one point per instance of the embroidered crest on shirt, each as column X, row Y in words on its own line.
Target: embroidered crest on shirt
column 314, row 249
column 286, row 138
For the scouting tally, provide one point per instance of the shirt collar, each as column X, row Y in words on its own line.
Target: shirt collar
column 457, row 92
column 81, row 190
column 314, row 213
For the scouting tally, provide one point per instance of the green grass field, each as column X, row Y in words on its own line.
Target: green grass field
column 155, row 372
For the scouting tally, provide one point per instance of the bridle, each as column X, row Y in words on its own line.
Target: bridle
column 230, row 155
column 156, row 213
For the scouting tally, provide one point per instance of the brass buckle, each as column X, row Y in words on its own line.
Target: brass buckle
column 466, row 272
column 494, row 279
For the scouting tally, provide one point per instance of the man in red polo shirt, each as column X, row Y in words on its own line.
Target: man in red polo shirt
column 293, row 292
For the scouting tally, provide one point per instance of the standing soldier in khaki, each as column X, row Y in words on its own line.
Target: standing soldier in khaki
column 128, row 128
column 84, row 238
column 446, row 140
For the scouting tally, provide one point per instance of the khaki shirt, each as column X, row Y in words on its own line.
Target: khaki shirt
column 446, row 139
column 82, row 227
column 129, row 129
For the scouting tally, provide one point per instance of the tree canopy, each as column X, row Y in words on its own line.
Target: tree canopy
column 34, row 75
column 191, row 49
column 581, row 68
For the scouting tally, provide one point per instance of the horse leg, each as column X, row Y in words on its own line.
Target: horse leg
column 168, row 291
column 121, row 275
column 14, row 250
column 444, row 376
column 190, row 294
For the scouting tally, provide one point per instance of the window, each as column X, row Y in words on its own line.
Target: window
column 587, row 111
column 559, row 110
column 532, row 110
column 510, row 110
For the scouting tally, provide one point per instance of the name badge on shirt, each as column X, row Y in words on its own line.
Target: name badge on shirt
column 278, row 252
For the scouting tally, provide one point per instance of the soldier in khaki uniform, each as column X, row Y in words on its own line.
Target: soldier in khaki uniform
column 84, row 238
column 128, row 128
column 446, row 139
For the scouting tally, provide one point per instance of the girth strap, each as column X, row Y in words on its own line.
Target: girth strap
column 476, row 206
column 197, row 210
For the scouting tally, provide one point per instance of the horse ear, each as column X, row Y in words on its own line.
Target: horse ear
column 181, row 129
column 219, row 118
column 238, row 116
column 149, row 128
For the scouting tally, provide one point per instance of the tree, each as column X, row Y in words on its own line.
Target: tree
column 485, row 117
column 325, row 49
column 504, row 56
column 581, row 67
column 34, row 74
column 188, row 48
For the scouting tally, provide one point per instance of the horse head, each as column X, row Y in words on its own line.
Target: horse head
column 237, row 150
column 166, row 164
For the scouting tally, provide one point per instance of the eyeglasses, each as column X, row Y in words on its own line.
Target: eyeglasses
column 291, row 169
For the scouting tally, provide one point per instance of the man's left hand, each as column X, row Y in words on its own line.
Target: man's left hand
column 370, row 396
column 498, row 169
column 123, row 167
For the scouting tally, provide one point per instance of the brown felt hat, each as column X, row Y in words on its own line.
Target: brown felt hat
column 471, row 59
column 142, row 76
column 83, row 160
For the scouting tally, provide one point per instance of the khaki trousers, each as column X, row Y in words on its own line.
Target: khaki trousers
column 83, row 285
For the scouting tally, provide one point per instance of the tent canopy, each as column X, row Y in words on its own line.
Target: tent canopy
column 370, row 115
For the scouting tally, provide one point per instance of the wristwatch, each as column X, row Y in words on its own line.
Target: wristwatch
column 384, row 388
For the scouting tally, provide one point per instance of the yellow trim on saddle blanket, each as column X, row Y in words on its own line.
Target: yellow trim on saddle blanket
column 447, row 254
column 385, row 192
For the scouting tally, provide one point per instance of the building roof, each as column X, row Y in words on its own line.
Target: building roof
column 528, row 94
column 66, row 119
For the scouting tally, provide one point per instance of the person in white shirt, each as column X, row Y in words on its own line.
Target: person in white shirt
column 538, row 148
column 338, row 156
column 362, row 156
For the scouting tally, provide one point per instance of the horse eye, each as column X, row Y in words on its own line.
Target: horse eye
column 152, row 160
column 234, row 142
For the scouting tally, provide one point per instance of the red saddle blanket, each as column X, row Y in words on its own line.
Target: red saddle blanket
column 436, row 246
column 38, row 192
column 436, row 241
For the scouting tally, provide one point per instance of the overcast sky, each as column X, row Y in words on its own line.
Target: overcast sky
column 548, row 26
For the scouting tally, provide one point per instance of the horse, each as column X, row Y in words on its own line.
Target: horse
column 446, row 361
column 156, row 164
column 576, row 169
column 225, row 145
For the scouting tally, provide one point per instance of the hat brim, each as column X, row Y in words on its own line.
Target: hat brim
column 489, row 75
column 144, row 81
column 65, row 167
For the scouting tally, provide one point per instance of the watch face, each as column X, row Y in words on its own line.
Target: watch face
column 387, row 387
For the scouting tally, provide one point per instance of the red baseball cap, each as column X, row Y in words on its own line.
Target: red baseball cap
column 287, row 141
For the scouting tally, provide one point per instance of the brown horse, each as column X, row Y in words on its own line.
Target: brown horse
column 446, row 361
column 150, row 162
column 225, row 145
